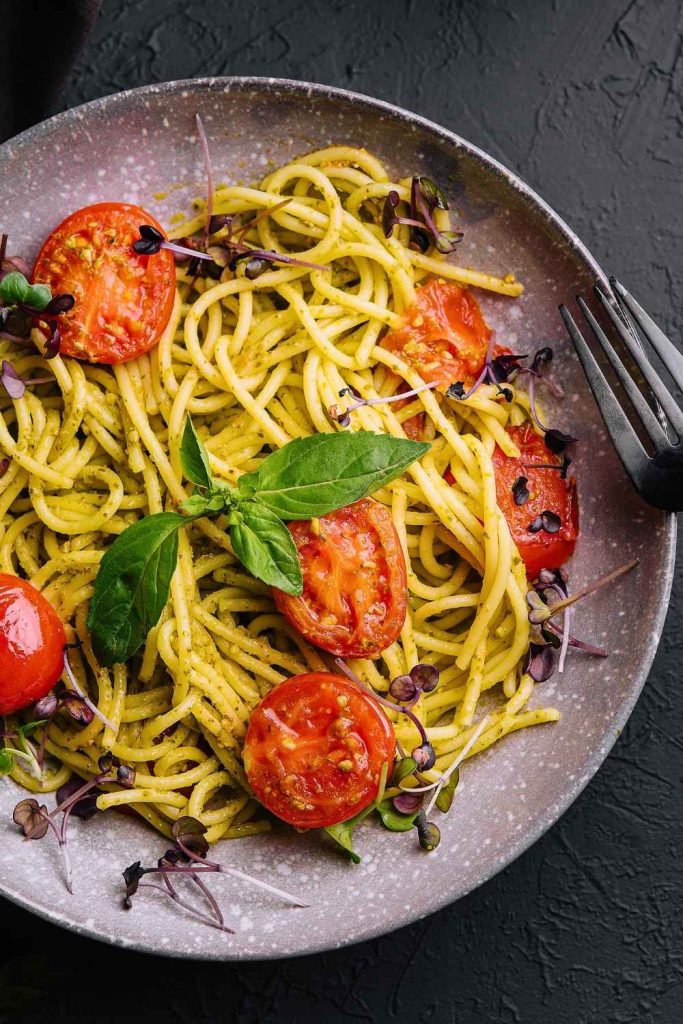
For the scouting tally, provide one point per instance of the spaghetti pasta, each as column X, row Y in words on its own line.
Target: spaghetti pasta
column 257, row 363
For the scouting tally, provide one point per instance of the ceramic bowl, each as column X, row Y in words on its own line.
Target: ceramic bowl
column 141, row 146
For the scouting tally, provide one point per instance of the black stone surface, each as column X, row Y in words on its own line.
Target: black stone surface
column 584, row 100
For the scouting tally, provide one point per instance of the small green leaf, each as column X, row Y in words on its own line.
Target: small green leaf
column 30, row 727
column 405, row 767
column 194, row 458
column 38, row 296
column 314, row 475
column 343, row 835
column 132, row 585
column 265, row 546
column 6, row 760
column 447, row 792
column 14, row 288
column 393, row 819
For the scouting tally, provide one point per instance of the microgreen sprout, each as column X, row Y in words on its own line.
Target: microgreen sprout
column 14, row 384
column 72, row 798
column 75, row 685
column 548, row 598
column 21, row 305
column 520, row 491
column 187, row 857
column 22, row 749
column 343, row 416
column 425, row 198
column 547, row 521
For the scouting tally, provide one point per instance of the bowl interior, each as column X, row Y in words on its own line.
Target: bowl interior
column 141, row 146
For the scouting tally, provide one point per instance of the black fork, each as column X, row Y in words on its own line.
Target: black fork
column 658, row 477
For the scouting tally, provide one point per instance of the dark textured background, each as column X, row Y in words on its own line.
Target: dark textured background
column 584, row 100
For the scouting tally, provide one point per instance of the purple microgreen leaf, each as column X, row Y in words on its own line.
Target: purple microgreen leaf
column 86, row 806
column 548, row 521
column 46, row 706
column 255, row 267
column 520, row 491
column 388, row 213
column 556, row 441
column 106, row 762
column 540, row 663
column 12, row 382
column 59, row 304
column 424, row 756
column 425, row 677
column 31, row 818
column 218, row 221
column 76, row 707
column 456, row 390
column 76, row 687
column 53, row 341
column 407, row 802
column 189, row 834
column 125, row 776
column 403, row 688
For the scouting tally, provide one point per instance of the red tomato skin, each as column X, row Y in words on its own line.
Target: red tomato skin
column 123, row 300
column 548, row 492
column 444, row 335
column 32, row 641
column 298, row 736
column 355, row 595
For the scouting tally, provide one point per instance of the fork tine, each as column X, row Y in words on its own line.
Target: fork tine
column 625, row 440
column 657, row 385
column 649, row 420
column 667, row 352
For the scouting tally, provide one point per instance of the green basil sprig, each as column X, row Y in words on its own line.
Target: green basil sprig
column 307, row 477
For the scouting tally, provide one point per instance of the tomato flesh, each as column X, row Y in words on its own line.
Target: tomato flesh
column 547, row 492
column 355, row 595
column 315, row 748
column 444, row 335
column 32, row 641
column 123, row 300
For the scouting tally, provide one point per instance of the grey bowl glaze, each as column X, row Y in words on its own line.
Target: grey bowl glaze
column 142, row 143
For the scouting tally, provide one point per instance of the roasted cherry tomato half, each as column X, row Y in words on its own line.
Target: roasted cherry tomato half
column 355, row 592
column 32, row 641
column 315, row 748
column 548, row 492
column 123, row 300
column 444, row 335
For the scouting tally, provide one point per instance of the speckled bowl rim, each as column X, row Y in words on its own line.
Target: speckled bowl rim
column 306, row 90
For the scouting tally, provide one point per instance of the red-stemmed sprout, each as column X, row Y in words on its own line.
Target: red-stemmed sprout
column 187, row 857
column 72, row 798
column 76, row 687
column 548, row 598
column 343, row 416
column 425, row 198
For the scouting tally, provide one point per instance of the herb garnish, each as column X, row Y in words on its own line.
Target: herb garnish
column 21, row 305
column 520, row 491
column 425, row 198
column 546, row 635
column 343, row 417
column 187, row 858
column 72, row 798
column 25, row 750
column 14, row 384
column 548, row 521
column 306, row 478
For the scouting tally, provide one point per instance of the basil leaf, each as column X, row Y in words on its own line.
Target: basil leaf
column 265, row 547
column 131, row 588
column 194, row 458
column 393, row 819
column 314, row 475
column 15, row 288
column 204, row 504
